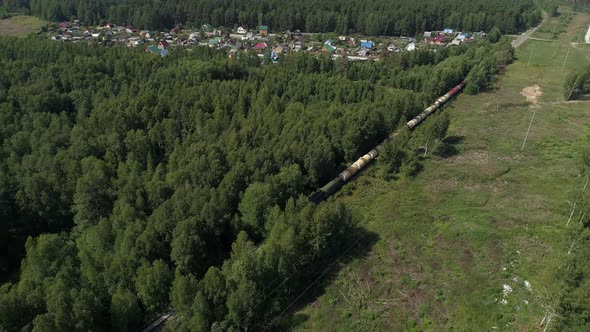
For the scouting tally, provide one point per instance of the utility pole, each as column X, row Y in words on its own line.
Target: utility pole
column 564, row 61
column 528, row 130
column 531, row 55
column 573, row 87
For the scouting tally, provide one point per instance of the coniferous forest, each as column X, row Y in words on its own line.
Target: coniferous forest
column 372, row 17
column 134, row 185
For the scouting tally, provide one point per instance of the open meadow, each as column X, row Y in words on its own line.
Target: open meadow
column 474, row 241
column 20, row 26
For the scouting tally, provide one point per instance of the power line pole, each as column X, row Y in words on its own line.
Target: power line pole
column 573, row 87
column 564, row 61
column 531, row 55
column 528, row 130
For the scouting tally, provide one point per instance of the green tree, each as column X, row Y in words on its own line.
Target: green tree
column 183, row 292
column 125, row 311
column 258, row 199
column 494, row 35
column 93, row 197
column 153, row 285
column 241, row 273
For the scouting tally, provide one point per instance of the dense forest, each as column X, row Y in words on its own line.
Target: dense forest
column 133, row 185
column 372, row 17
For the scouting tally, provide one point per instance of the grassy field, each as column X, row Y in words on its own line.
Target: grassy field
column 490, row 215
column 20, row 26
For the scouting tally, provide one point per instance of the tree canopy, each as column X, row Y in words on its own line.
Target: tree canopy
column 372, row 17
column 136, row 184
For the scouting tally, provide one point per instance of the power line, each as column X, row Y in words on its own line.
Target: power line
column 314, row 282
column 527, row 132
column 328, row 249
column 531, row 55
column 564, row 61
column 297, row 321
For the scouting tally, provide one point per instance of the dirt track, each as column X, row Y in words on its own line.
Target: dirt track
column 525, row 35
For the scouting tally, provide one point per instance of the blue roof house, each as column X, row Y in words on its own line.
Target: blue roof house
column 367, row 44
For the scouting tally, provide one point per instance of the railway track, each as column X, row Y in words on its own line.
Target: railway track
column 345, row 176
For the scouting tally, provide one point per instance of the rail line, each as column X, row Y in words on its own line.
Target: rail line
column 345, row 176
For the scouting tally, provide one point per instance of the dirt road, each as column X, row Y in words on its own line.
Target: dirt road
column 527, row 34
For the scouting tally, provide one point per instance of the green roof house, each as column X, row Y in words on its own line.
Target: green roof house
column 329, row 48
column 263, row 30
column 214, row 41
column 154, row 49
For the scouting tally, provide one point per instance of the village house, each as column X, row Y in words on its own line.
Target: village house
column 147, row 34
column 106, row 26
column 411, row 47
column 274, row 57
column 263, row 30
column 134, row 42
column 236, row 46
column 440, row 39
column 298, row 44
column 214, row 41
column 241, row 30
column 328, row 47
column 260, row 46
column 163, row 44
column 367, row 44
column 292, row 34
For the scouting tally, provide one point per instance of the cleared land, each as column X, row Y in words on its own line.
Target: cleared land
column 20, row 26
column 473, row 242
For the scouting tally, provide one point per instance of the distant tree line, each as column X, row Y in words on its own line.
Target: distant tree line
column 136, row 184
column 372, row 17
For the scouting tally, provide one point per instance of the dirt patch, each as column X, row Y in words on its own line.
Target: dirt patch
column 473, row 157
column 532, row 94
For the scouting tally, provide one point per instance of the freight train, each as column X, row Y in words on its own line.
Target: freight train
column 363, row 161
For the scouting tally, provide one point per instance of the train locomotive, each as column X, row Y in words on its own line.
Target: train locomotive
column 363, row 161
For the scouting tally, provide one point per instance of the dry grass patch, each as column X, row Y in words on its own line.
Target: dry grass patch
column 20, row 26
